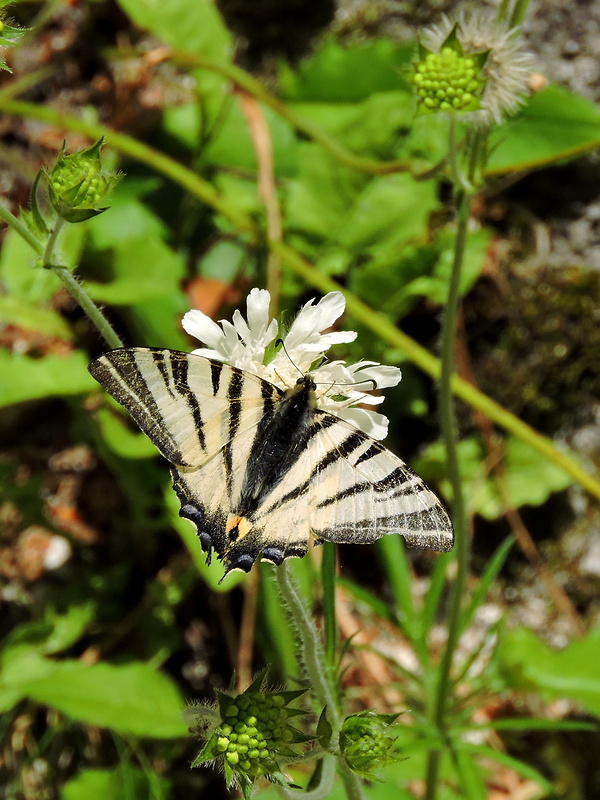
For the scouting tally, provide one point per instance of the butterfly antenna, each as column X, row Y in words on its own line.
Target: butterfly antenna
column 280, row 342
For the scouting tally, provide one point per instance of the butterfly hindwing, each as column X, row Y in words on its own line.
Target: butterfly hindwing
column 364, row 492
column 260, row 471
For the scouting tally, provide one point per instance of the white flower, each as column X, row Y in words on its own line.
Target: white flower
column 339, row 386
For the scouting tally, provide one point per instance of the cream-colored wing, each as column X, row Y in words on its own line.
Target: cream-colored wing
column 191, row 407
column 362, row 491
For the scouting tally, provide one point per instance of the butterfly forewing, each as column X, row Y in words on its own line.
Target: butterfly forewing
column 260, row 471
column 191, row 407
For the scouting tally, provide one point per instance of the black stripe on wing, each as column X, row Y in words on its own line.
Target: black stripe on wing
column 119, row 373
column 234, row 392
column 180, row 368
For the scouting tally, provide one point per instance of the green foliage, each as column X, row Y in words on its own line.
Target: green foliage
column 524, row 477
column 26, row 378
column 554, row 125
column 128, row 698
column 193, row 27
column 124, row 783
column 530, row 665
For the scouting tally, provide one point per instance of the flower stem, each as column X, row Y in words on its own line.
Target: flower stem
column 92, row 311
column 449, row 435
column 328, row 581
column 21, row 229
column 77, row 291
column 71, row 283
column 318, row 672
column 311, row 648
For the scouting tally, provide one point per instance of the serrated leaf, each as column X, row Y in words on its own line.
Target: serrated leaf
column 529, row 477
column 339, row 73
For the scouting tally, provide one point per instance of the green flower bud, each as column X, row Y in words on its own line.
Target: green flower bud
column 9, row 37
column 78, row 184
column 367, row 742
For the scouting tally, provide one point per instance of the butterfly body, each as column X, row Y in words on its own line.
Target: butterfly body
column 261, row 471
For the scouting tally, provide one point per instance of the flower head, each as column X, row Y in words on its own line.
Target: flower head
column 475, row 65
column 248, row 345
column 249, row 733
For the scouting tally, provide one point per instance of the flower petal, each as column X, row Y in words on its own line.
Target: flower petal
column 372, row 423
column 202, row 327
column 257, row 307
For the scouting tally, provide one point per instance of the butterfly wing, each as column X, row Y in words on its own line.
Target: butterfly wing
column 191, row 407
column 202, row 415
column 260, row 471
column 348, row 488
column 345, row 488
column 362, row 491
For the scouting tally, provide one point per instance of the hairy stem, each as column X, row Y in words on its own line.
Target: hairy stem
column 312, row 653
column 71, row 283
column 462, row 543
column 21, row 229
column 318, row 672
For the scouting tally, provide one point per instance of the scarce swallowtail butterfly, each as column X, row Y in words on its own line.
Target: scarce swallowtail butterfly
column 261, row 471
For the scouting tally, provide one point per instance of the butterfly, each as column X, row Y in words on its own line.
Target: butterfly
column 262, row 471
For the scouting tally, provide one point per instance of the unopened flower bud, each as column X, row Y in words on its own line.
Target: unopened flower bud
column 367, row 742
column 78, row 184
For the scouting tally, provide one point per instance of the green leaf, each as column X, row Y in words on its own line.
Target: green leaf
column 488, row 577
column 129, row 698
column 390, row 211
column 123, row 783
column 18, row 312
column 527, row 663
column 554, row 125
column 128, row 217
column 194, row 27
column 319, row 196
column 19, row 274
column 336, row 73
column 232, row 147
column 144, row 268
column 400, row 273
column 25, row 378
column 506, row 761
column 529, row 477
column 53, row 633
column 470, row 776
column 120, row 437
